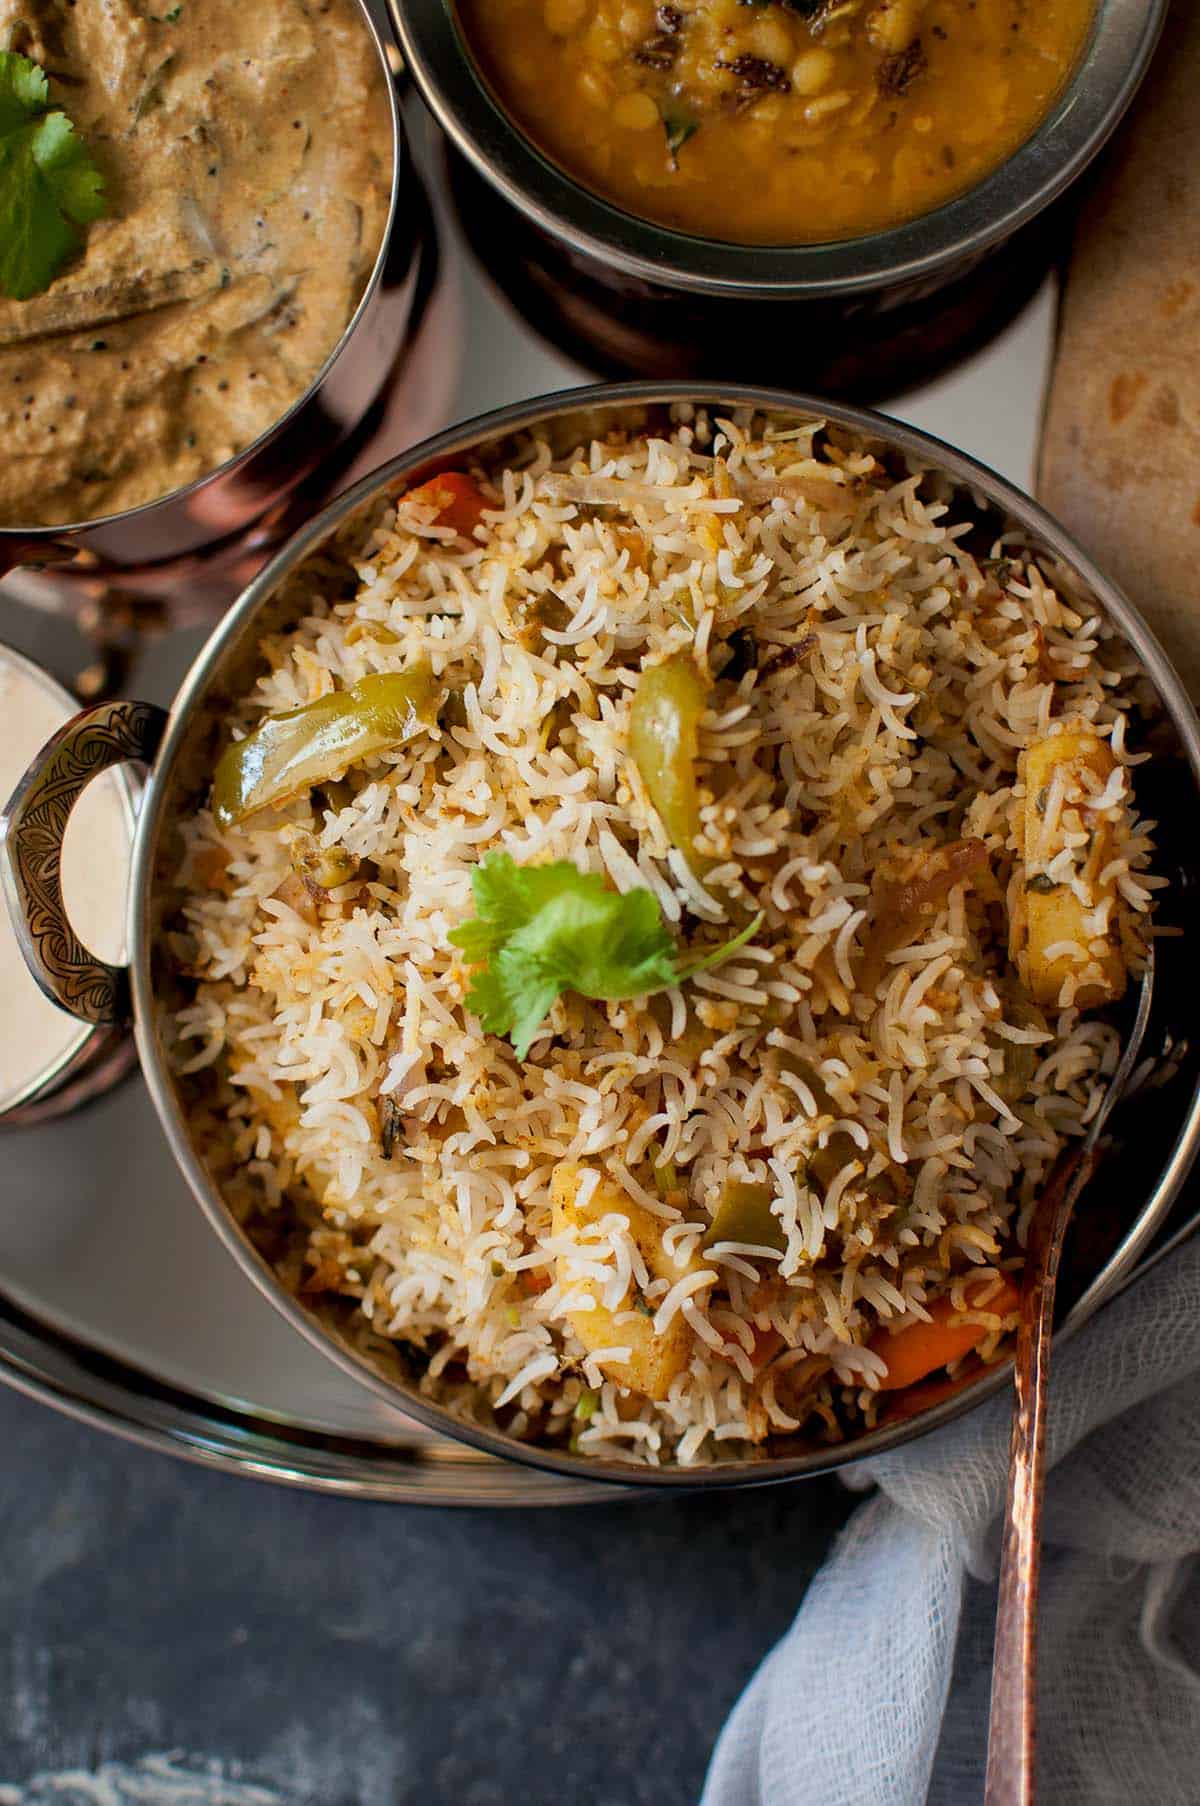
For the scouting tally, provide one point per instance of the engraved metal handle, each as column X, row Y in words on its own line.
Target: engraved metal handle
column 31, row 843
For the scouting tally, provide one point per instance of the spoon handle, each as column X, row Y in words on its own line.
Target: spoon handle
column 1012, row 1728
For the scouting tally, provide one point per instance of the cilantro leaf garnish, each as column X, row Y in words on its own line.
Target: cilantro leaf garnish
column 679, row 125
column 545, row 929
column 49, row 186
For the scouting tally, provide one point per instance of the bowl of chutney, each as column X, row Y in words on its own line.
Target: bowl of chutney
column 216, row 305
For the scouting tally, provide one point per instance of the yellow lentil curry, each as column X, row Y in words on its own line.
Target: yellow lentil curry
column 778, row 121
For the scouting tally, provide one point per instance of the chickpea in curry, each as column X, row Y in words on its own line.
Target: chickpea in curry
column 778, row 121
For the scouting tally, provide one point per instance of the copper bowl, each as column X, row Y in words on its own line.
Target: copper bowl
column 217, row 510
column 1127, row 1203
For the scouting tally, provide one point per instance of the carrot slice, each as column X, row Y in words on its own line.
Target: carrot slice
column 767, row 1344
column 924, row 1398
column 920, row 1349
column 458, row 499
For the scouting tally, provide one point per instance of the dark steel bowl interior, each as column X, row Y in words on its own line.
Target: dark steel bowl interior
column 1122, row 39
column 1125, row 1205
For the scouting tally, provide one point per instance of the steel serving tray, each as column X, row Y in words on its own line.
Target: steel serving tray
column 111, row 1279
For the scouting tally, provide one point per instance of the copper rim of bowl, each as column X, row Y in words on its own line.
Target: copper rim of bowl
column 231, row 637
column 1112, row 64
column 172, row 497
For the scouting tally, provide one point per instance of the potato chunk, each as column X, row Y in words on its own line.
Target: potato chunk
column 655, row 1360
column 892, row 25
column 1048, row 912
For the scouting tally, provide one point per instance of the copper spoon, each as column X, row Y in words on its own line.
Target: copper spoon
column 1012, row 1727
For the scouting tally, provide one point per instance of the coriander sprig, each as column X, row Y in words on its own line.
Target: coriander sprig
column 541, row 930
column 49, row 186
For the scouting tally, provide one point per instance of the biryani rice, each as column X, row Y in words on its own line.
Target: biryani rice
column 926, row 673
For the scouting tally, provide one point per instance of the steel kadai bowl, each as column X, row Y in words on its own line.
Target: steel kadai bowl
column 175, row 535
column 859, row 316
column 1125, row 1204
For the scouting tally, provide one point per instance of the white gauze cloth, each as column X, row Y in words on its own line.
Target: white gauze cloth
column 879, row 1692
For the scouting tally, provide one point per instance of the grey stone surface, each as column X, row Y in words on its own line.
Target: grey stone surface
column 351, row 1654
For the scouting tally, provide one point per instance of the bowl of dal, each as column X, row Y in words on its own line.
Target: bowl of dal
column 627, row 912
column 664, row 164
